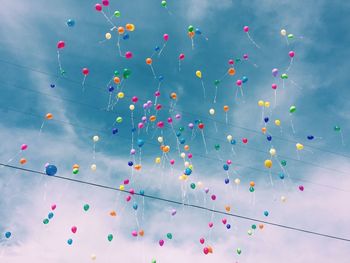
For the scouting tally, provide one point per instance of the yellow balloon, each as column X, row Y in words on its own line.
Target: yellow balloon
column 120, row 95
column 199, row 74
column 267, row 104
column 268, row 163
column 261, row 103
column 108, row 36
column 277, row 122
column 299, row 146
column 121, row 187
column 157, row 160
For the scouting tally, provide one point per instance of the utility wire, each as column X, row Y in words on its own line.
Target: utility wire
column 184, row 204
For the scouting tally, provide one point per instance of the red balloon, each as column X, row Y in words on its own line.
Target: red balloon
column 60, row 44
column 245, row 140
column 98, row 7
column 85, row 71
column 201, row 126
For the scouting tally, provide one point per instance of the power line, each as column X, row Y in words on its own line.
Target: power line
column 182, row 111
column 182, row 203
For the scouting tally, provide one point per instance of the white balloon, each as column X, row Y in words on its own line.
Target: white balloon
column 229, row 138
column 95, row 138
column 283, row 32
column 93, row 167
column 160, row 139
column 237, row 181
column 211, row 111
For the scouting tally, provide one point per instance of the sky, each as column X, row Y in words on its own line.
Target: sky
column 317, row 86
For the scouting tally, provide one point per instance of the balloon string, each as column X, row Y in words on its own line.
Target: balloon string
column 204, row 142
column 161, row 50
column 226, row 118
column 59, row 61
column 290, row 65
column 154, row 74
column 179, row 65
column 203, row 89
column 251, row 39
column 83, row 83
column 342, row 138
column 155, row 101
column 41, row 128
column 118, row 45
column 192, row 43
column 109, row 101
column 107, row 18
column 275, row 98
column 291, row 123
column 270, row 178
column 216, row 93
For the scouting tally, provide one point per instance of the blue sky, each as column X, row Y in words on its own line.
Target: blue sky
column 317, row 86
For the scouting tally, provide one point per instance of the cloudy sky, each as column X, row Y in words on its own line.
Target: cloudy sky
column 317, row 85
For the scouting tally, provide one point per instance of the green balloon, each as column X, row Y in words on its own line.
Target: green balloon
column 216, row 82
column 193, row 185
column 119, row 119
column 292, row 109
column 284, row 76
column 63, row 72
column 169, row 236
column 126, row 73
column 46, row 221
column 181, row 129
column 283, row 162
column 239, row 251
column 251, row 189
column 75, row 170
column 290, row 36
column 86, row 207
column 117, row 13
column 154, row 261
column 110, row 237
column 190, row 28
column 238, row 60
column 337, row 128
column 163, row 3
column 253, row 226
column 217, row 147
column 116, row 73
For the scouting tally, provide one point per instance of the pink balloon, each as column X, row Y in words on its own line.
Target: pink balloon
column 128, row 54
column 178, row 116
column 61, row 44
column 172, row 161
column 301, row 188
column 85, row 71
column 158, row 106
column 126, row 181
column 161, row 242
column 224, row 221
column 132, row 191
column 239, row 82
column 201, row 240
column 157, row 94
column 291, row 54
column 74, row 229
column 211, row 224
column 229, row 162
column 105, row 2
column 213, row 197
column 134, row 99
column 181, row 56
column 134, row 233
column 98, row 7
column 231, row 62
column 166, row 37
column 246, row 28
column 206, row 250
column 170, row 120
column 132, row 151
column 160, row 124
column 245, row 140
column 24, row 147
column 274, row 86
column 245, row 56
column 190, row 155
column 140, row 125
column 128, row 198
column 53, row 207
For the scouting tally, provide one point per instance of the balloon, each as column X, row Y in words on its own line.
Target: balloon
column 231, row 71
column 51, row 170
column 166, row 37
column 277, row 122
column 283, row 32
column 290, row 36
column 266, row 213
column 299, row 146
column 98, row 7
column 70, row 241
column 86, row 207
column 244, row 79
column 181, row 56
column 246, row 29
column 61, row 44
column 161, row 242
column 8, row 234
column 190, row 28
column 261, row 103
column 275, row 72
column 310, row 137
column 46, row 221
column 85, row 71
column 70, row 22
column 211, row 111
column 239, row 251
column 50, row 215
column 74, row 229
column 301, row 188
column 108, row 36
column 130, row 27
column 292, row 109
column 199, row 74
column 128, row 55
column 272, row 151
column 291, row 54
column 283, row 162
column 274, row 86
column 49, row 116
column 140, row 143
column 163, row 3
column 110, row 237
column 148, row 61
column 105, row 2
column 268, row 163
column 95, row 138
column 117, row 13
column 284, row 76
column 93, row 167
column 226, row 108
column 24, row 147
column 126, row 73
column 337, row 128
column 267, row 104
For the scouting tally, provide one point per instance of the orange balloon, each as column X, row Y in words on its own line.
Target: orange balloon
column 121, row 30
column 166, row 149
column 231, row 71
column 116, row 80
column 130, row 27
column 141, row 232
column 22, row 161
column 76, row 166
column 261, row 226
column 173, row 95
column 227, row 208
column 186, row 147
column 191, row 34
column 226, row 108
column 263, row 129
column 152, row 118
column 138, row 167
column 113, row 213
column 148, row 61
column 49, row 116
column 162, row 147
column 252, row 183
column 210, row 249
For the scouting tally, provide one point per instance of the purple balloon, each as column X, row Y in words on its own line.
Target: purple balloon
column 275, row 72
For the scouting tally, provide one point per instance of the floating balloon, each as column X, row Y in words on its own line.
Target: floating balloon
column 51, row 170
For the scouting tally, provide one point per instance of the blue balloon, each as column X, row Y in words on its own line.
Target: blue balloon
column 70, row 241
column 269, row 137
column 51, row 170
column 70, row 22
column 188, row 171
column 310, row 137
column 182, row 140
column 157, row 48
column 52, row 85
column 140, row 142
column 281, row 175
column 8, row 234
column 244, row 79
column 225, row 167
column 160, row 78
column 233, row 142
column 178, row 134
column 135, row 206
column 198, row 31
column 115, row 130
column 227, row 181
column 142, row 192
column 228, row 226
column 130, row 163
column 50, row 215
column 266, row 119
column 110, row 88
column 126, row 36
column 266, row 213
